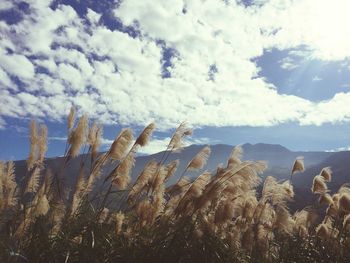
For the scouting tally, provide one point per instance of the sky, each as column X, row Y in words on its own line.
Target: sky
column 271, row 71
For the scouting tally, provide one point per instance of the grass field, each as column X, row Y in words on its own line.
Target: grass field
column 218, row 217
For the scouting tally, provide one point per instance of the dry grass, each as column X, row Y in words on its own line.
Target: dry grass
column 217, row 217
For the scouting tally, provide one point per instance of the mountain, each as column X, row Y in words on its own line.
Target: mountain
column 279, row 159
column 340, row 165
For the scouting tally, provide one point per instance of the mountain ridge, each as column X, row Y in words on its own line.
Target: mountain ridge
column 279, row 158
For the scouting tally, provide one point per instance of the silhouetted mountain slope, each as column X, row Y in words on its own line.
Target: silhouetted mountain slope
column 279, row 159
column 340, row 165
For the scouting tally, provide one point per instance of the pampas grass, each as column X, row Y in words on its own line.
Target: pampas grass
column 319, row 185
column 145, row 136
column 33, row 145
column 226, row 215
column 71, row 118
column 94, row 139
column 326, row 173
column 121, row 176
column 8, row 188
column 199, row 160
column 176, row 142
column 33, row 182
column 78, row 136
column 171, row 169
column 298, row 165
column 325, row 199
column 42, row 144
column 120, row 144
column 344, row 202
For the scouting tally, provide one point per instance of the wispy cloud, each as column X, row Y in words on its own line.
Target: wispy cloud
column 288, row 63
column 2, row 123
column 340, row 149
column 57, row 138
column 316, row 78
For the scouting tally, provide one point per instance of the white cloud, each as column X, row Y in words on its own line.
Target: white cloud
column 6, row 81
column 340, row 149
column 17, row 65
column 57, row 138
column 288, row 63
column 158, row 145
column 316, row 78
column 39, row 29
column 155, row 145
column 125, row 84
column 319, row 25
column 93, row 16
column 335, row 110
column 5, row 4
column 71, row 76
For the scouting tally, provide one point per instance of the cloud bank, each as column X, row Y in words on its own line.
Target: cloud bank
column 155, row 145
column 162, row 60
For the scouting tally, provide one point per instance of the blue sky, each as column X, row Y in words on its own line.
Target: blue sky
column 273, row 71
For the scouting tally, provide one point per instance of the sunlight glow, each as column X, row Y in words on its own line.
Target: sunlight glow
column 329, row 28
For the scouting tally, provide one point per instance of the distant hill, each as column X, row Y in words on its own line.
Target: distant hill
column 279, row 159
column 340, row 165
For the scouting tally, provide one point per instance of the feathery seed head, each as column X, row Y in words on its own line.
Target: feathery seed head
column 145, row 136
column 176, row 142
column 284, row 222
column 122, row 172
column 42, row 206
column 42, row 143
column 322, row 231
column 346, row 222
column 94, row 138
column 143, row 180
column 33, row 153
column 171, row 168
column 332, row 210
column 345, row 188
column 318, row 185
column 288, row 188
column 33, row 182
column 158, row 178
column 235, row 157
column 303, row 219
column 325, row 199
column 298, row 165
column 71, row 118
column 121, row 144
column 119, row 219
column 335, row 198
column 326, row 173
column 200, row 159
column 344, row 202
column 78, row 136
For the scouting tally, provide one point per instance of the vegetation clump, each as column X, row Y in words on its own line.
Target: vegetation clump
column 219, row 216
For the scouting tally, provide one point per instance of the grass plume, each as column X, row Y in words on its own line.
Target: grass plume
column 226, row 215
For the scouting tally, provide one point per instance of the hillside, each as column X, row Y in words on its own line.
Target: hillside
column 278, row 158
